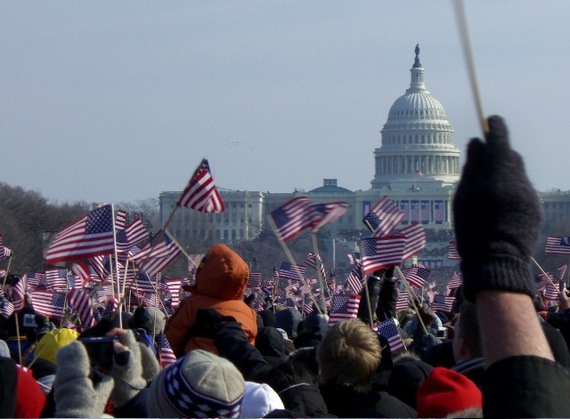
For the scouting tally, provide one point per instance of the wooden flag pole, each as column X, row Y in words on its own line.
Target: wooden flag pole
column 292, row 260
column 7, row 270
column 411, row 294
column 470, row 63
column 318, row 261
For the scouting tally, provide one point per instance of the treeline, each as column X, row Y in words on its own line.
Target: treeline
column 27, row 219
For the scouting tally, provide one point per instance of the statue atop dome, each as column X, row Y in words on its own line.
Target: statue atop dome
column 417, row 60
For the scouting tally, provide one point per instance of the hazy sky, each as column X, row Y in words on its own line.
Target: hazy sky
column 108, row 101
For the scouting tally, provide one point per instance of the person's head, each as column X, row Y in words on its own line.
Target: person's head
column 200, row 384
column 427, row 315
column 151, row 319
column 467, row 339
column 349, row 354
column 222, row 273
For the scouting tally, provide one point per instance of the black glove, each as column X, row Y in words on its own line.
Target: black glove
column 497, row 216
column 207, row 322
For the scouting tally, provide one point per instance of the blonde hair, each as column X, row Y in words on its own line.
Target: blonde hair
column 349, row 354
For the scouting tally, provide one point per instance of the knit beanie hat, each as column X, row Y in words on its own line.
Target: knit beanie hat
column 445, row 391
column 406, row 377
column 149, row 319
column 200, row 385
column 259, row 400
column 50, row 343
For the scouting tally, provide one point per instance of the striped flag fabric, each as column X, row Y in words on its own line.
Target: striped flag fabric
column 562, row 271
column 7, row 307
column 558, row 245
column 131, row 236
column 48, row 303
column 36, row 278
column 381, row 252
column 403, row 300
column 292, row 217
column 80, row 301
column 57, row 279
column 201, row 193
column 156, row 256
column 541, row 280
column 92, row 235
column 355, row 278
column 551, row 291
column 19, row 294
column 416, row 275
column 5, row 253
column 442, row 303
column 315, row 261
column 174, row 285
column 452, row 252
column 254, row 280
column 165, row 353
column 344, row 306
column 455, row 281
column 324, row 214
column 415, row 239
column 389, row 330
column 353, row 258
column 291, row 272
column 383, row 217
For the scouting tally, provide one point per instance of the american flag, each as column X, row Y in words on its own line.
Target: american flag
column 92, row 235
column 291, row 272
column 383, row 217
column 455, row 281
column 452, row 253
column 381, row 252
column 254, row 281
column 194, row 260
column 82, row 270
column 355, row 278
column 145, row 283
column 416, row 275
column 551, row 291
column 403, row 300
column 19, row 294
column 541, row 280
column 558, row 245
column 4, row 251
column 353, row 258
column 442, row 303
column 7, row 307
column 48, row 303
column 157, row 254
column 174, row 285
column 201, row 193
column 324, row 214
column 314, row 261
column 131, row 236
column 562, row 271
column 389, row 330
column 57, row 279
column 81, row 302
column 36, row 278
column 165, row 353
column 415, row 239
column 344, row 306
column 292, row 217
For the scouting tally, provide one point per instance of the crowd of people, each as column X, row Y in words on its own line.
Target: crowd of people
column 503, row 355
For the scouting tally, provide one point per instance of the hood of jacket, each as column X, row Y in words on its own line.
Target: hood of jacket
column 222, row 274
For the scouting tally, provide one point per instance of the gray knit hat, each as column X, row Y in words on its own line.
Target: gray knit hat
column 200, row 385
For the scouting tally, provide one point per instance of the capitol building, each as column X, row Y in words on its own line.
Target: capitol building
column 416, row 165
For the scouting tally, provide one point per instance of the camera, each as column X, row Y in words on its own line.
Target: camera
column 442, row 333
column 99, row 349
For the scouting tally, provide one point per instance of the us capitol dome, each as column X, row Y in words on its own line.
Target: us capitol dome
column 417, row 140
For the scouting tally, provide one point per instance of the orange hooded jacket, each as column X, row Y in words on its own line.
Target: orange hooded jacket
column 221, row 281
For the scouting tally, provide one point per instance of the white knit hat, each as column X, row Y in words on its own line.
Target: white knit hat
column 259, row 400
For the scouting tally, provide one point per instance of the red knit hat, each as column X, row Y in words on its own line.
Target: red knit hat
column 445, row 391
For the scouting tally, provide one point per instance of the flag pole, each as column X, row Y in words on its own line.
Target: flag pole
column 292, row 260
column 319, row 267
column 7, row 270
column 412, row 298
column 545, row 274
column 469, row 61
column 365, row 285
